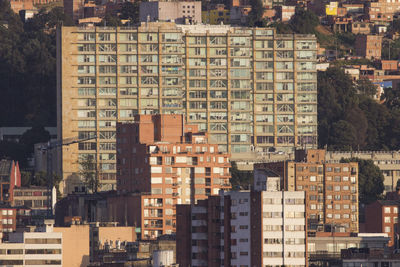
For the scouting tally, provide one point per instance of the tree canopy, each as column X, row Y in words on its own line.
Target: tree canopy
column 89, row 174
column 350, row 119
column 27, row 66
column 240, row 179
column 370, row 180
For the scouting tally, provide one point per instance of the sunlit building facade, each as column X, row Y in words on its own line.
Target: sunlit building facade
column 249, row 88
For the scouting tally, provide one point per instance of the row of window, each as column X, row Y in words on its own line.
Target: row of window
column 176, row 37
column 29, row 251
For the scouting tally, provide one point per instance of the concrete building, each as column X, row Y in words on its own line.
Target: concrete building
column 8, row 219
column 332, row 190
column 244, row 228
column 216, row 15
column 382, row 216
column 382, row 11
column 361, row 27
column 74, row 9
column 387, row 161
column 182, row 12
column 369, row 46
column 36, row 199
column 169, row 163
column 369, row 258
column 285, row 13
column 248, row 88
column 43, row 247
column 10, row 177
column 326, row 251
column 81, row 242
column 13, row 218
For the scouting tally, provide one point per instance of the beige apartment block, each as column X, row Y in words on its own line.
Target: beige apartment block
column 249, row 88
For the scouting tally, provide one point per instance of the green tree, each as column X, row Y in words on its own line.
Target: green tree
column 240, row 179
column 343, row 136
column 391, row 96
column 378, row 118
column 336, row 96
column 89, row 174
column 370, row 180
column 14, row 151
column 26, row 178
column 355, row 116
column 255, row 18
column 366, row 87
column 304, row 21
column 130, row 11
column 110, row 20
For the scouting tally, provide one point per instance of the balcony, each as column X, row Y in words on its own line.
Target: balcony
column 153, row 225
column 153, row 205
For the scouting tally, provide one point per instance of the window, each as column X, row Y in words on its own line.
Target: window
column 387, row 209
column 387, row 219
column 387, row 229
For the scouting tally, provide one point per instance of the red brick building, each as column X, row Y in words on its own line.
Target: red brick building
column 368, row 46
column 382, row 217
column 13, row 217
column 331, row 188
column 10, row 177
column 162, row 162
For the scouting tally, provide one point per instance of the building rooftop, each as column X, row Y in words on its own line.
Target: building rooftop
column 389, row 202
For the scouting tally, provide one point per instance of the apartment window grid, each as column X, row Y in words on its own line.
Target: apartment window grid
column 331, row 194
column 257, row 88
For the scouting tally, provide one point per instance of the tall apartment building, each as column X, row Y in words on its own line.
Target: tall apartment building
column 249, row 88
column 243, row 228
column 331, row 188
column 163, row 162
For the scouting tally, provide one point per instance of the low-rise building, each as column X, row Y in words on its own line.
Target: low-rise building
column 326, row 250
column 382, row 216
column 181, row 12
column 382, row 10
column 217, row 15
column 285, row 13
column 43, row 247
column 10, row 177
column 82, row 242
column 368, row 46
column 369, row 257
column 35, row 197
column 361, row 27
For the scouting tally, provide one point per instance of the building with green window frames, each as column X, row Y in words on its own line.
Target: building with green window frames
column 250, row 88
